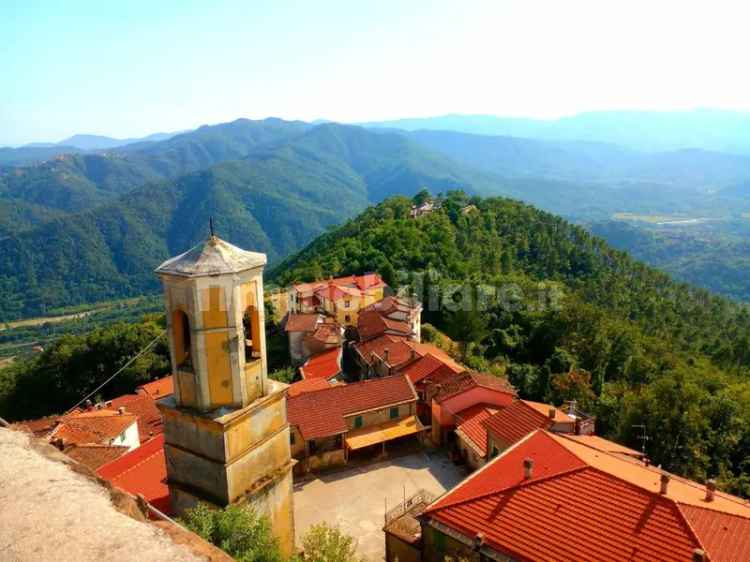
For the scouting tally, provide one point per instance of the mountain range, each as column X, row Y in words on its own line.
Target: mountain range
column 89, row 225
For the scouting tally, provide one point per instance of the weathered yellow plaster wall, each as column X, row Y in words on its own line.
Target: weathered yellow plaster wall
column 219, row 369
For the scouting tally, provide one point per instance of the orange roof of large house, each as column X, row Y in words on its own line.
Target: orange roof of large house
column 321, row 413
column 94, row 455
column 469, row 380
column 95, row 426
column 327, row 333
column 306, row 385
column 325, row 365
column 142, row 471
column 583, row 503
column 158, row 388
column 396, row 347
column 352, row 285
column 301, row 322
column 422, row 367
column 143, row 406
column 371, row 324
column 469, row 424
column 520, row 418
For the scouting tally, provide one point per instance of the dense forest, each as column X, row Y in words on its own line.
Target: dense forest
column 567, row 317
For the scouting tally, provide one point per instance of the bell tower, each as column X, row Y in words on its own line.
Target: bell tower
column 225, row 427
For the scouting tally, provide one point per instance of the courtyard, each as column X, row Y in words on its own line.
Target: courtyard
column 356, row 498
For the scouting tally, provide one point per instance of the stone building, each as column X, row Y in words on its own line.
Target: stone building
column 226, row 435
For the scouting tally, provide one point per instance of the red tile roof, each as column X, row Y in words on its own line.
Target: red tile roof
column 389, row 305
column 582, row 503
column 301, row 322
column 370, row 324
column 469, row 424
column 321, row 413
column 96, row 426
column 143, row 406
column 142, row 471
column 325, row 365
column 328, row 333
column 469, row 380
column 515, row 422
column 352, row 285
column 159, row 388
column 94, row 456
column 399, row 350
column 306, row 385
column 422, row 368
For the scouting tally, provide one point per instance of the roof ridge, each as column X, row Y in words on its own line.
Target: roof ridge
column 690, row 529
column 712, row 510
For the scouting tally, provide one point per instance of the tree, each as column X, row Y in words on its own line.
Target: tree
column 421, row 197
column 237, row 530
column 324, row 543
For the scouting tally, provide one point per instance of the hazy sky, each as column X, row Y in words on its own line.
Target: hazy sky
column 131, row 67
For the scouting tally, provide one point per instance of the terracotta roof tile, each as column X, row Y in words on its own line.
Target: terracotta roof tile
column 97, row 426
column 321, row 413
column 583, row 502
column 352, row 285
column 325, row 365
column 301, row 322
column 143, row 406
column 94, row 456
column 422, row 368
column 370, row 324
column 469, row 424
column 399, row 350
column 159, row 388
column 469, row 380
column 142, row 471
column 513, row 423
column 306, row 385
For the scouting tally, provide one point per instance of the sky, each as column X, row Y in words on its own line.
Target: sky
column 131, row 68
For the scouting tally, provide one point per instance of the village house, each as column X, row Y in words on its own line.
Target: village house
column 330, row 425
column 326, row 365
column 423, row 209
column 399, row 316
column 113, row 428
column 452, row 396
column 341, row 298
column 310, row 334
column 554, row 496
column 389, row 355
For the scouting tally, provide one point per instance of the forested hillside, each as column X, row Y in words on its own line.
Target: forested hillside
column 574, row 319
column 275, row 199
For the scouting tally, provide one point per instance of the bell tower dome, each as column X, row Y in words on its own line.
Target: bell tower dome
column 226, row 434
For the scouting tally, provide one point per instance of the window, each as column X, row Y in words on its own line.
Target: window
column 291, row 438
column 394, row 413
column 494, row 451
column 347, row 304
column 347, row 318
column 249, row 324
column 313, row 446
column 181, row 334
column 357, row 422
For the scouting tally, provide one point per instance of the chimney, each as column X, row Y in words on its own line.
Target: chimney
column 664, row 483
column 551, row 414
column 528, row 468
column 699, row 555
column 478, row 540
column 710, row 490
column 121, row 410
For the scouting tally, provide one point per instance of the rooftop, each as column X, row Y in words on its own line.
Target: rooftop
column 211, row 257
column 93, row 456
column 141, row 471
column 558, row 511
column 335, row 288
column 371, row 324
column 321, row 413
column 306, row 385
column 468, row 380
column 469, row 424
column 95, row 426
column 158, row 388
column 301, row 322
column 143, row 406
column 516, row 421
column 325, row 365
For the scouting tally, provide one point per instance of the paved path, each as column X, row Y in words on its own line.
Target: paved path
column 355, row 499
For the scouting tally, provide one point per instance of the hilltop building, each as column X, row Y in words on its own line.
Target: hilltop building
column 341, row 298
column 226, row 436
column 310, row 334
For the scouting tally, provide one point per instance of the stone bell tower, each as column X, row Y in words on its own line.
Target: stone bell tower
column 225, row 428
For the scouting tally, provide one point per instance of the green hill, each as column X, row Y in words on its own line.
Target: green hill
column 275, row 200
column 572, row 319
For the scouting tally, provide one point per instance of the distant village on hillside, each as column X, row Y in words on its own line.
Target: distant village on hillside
column 416, row 456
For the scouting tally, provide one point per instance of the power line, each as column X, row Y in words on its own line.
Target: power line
column 120, row 370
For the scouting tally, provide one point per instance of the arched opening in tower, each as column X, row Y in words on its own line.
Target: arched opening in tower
column 182, row 344
column 252, row 338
